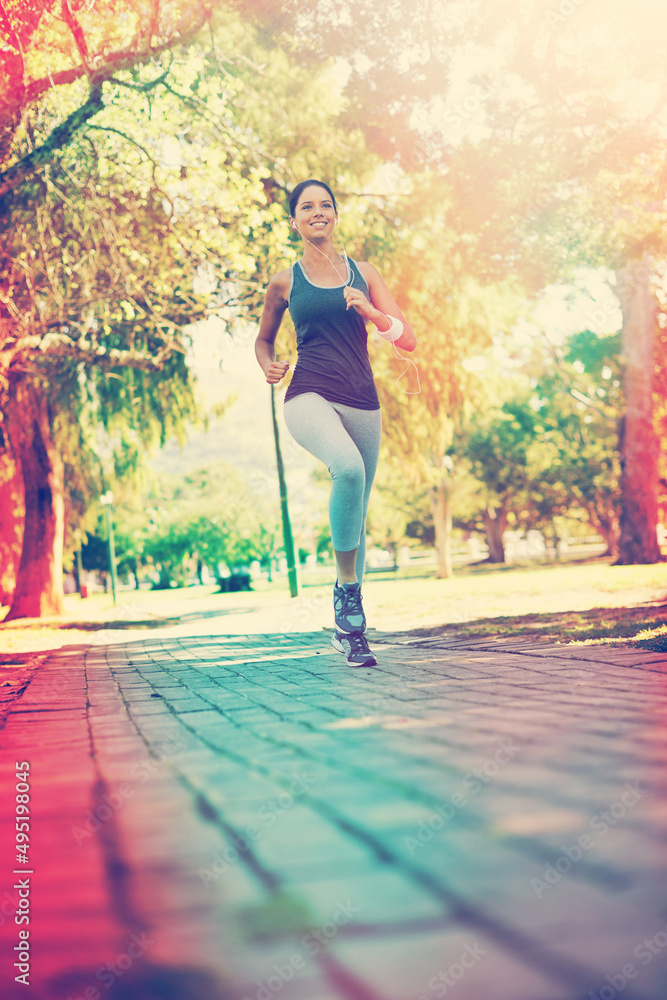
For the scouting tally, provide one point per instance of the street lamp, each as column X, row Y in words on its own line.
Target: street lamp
column 106, row 500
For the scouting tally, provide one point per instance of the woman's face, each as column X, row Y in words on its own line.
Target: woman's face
column 315, row 215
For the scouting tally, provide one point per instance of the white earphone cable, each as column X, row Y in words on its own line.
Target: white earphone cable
column 400, row 357
column 349, row 273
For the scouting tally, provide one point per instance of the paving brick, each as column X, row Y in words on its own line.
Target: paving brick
column 426, row 966
column 208, row 830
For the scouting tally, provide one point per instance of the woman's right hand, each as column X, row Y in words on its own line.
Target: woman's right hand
column 276, row 371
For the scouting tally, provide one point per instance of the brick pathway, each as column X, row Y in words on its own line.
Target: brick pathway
column 222, row 818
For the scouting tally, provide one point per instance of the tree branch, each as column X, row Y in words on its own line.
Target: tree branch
column 114, row 62
column 128, row 138
column 197, row 105
column 142, row 88
column 12, row 99
column 77, row 32
column 151, row 28
column 60, row 345
column 16, row 174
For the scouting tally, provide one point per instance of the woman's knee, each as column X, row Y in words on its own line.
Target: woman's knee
column 349, row 474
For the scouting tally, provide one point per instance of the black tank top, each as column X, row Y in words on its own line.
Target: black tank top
column 331, row 342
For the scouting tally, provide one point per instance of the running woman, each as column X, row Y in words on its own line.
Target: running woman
column 331, row 405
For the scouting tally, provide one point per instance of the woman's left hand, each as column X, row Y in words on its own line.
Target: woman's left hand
column 356, row 298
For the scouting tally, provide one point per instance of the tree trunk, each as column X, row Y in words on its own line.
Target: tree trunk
column 11, row 522
column 495, row 523
column 39, row 583
column 442, row 522
column 610, row 534
column 606, row 523
column 639, row 448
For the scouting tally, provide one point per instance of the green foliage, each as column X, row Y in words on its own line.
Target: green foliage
column 550, row 448
column 210, row 517
column 163, row 209
column 396, row 504
column 574, row 458
column 95, row 554
column 496, row 445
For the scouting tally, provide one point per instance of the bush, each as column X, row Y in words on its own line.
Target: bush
column 234, row 583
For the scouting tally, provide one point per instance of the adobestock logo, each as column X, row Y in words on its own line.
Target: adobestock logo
column 112, row 801
column 313, row 942
column 8, row 906
column 267, row 815
column 464, row 111
column 108, row 973
column 564, row 11
column 304, row 609
column 473, row 783
column 645, row 953
column 447, row 979
column 601, row 823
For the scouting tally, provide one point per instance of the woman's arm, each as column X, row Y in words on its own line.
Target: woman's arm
column 275, row 304
column 382, row 304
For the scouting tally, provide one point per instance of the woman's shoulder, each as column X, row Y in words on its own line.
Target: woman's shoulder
column 281, row 279
column 366, row 267
column 279, row 285
column 368, row 271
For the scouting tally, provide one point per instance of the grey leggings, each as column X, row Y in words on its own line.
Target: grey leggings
column 347, row 440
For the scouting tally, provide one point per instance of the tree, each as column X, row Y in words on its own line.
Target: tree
column 30, row 141
column 456, row 317
column 49, row 45
column 129, row 527
column 496, row 444
column 93, row 358
column 546, row 165
column 211, row 517
column 396, row 507
column 11, row 519
column 576, row 179
column 108, row 253
column 544, row 442
column 660, row 398
column 574, row 460
column 167, row 551
column 27, row 421
column 639, row 446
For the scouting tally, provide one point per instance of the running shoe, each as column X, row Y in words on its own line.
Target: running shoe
column 355, row 646
column 348, row 609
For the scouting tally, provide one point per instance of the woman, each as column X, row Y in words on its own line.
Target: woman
column 331, row 406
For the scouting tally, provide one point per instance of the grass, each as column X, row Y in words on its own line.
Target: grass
column 645, row 629
column 588, row 601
